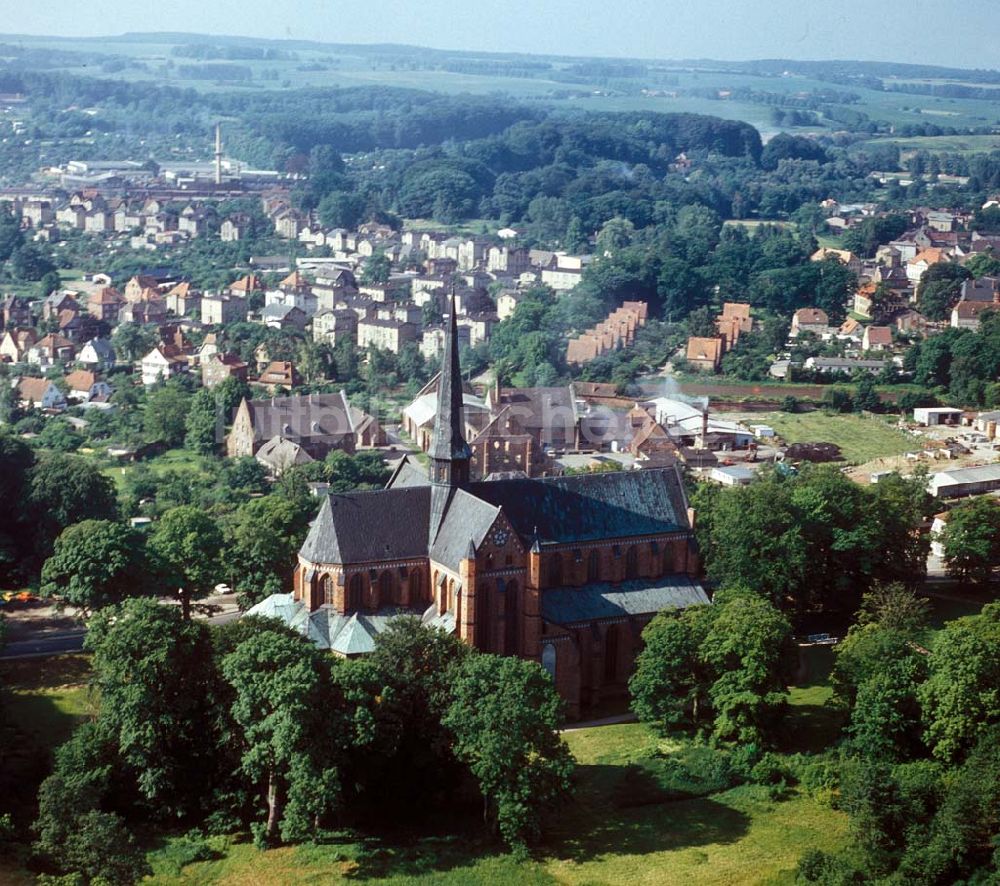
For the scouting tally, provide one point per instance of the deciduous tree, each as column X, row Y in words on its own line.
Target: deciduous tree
column 96, row 563
column 504, row 715
column 186, row 543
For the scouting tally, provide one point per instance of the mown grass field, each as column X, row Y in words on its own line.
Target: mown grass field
column 860, row 438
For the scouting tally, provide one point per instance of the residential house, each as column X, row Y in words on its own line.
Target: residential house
column 57, row 302
column 85, row 386
column 288, row 223
column 163, row 362
column 704, row 354
column 335, row 326
column 138, row 287
column 37, row 213
column 247, row 286
column 216, row 368
column 396, row 288
column 844, row 256
column 105, row 304
column 235, row 227
column 926, row 258
column 507, row 302
column 97, row 354
column 319, row 423
column 127, row 218
column 876, row 338
column 183, row 300
column 196, row 220
column 98, row 221
column 75, row 326
column 480, row 326
column 985, row 289
column 15, row 311
column 508, row 260
column 279, row 454
column 143, row 312
column 41, row 393
column 420, row 414
column 389, row 335
column 814, row 320
column 284, row 317
column 617, row 330
column 433, row 341
column 51, row 350
column 217, row 310
column 294, row 291
column 564, row 272
column 15, row 344
column 966, row 314
column 941, row 221
column 278, row 375
column 733, row 322
column 72, row 216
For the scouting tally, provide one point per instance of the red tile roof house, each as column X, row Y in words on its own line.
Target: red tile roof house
column 704, row 353
column 876, row 338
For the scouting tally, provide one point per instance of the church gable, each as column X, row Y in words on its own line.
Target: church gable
column 501, row 547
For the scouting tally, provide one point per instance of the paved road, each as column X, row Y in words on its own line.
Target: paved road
column 65, row 642
column 55, row 643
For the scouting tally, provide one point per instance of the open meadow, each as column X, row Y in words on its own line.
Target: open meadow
column 861, row 438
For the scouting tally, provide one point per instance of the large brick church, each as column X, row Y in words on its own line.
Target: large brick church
column 566, row 571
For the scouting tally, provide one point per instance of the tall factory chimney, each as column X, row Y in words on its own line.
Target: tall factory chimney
column 218, row 153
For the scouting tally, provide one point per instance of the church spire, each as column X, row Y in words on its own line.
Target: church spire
column 449, row 452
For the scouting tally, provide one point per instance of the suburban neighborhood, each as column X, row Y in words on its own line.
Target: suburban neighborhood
column 495, row 466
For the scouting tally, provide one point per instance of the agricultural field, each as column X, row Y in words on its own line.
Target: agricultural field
column 948, row 144
column 710, row 88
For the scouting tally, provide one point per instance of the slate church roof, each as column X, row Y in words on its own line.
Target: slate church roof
column 361, row 527
column 593, row 602
column 588, row 507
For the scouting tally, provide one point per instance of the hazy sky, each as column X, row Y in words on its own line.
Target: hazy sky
column 945, row 33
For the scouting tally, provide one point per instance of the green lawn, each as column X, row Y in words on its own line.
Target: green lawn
column 860, row 438
column 45, row 698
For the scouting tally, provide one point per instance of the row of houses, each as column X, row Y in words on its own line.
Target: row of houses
column 705, row 353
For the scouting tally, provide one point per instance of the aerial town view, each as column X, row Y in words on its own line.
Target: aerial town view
column 522, row 443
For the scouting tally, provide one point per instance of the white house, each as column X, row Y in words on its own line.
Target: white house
column 97, row 354
column 161, row 363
